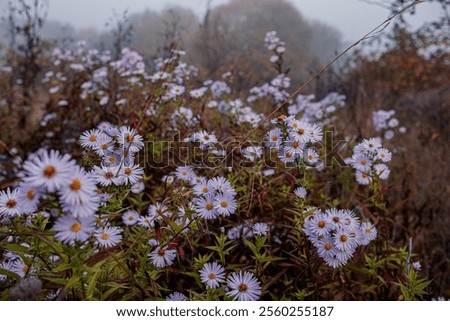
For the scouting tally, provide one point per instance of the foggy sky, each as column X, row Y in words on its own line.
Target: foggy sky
column 353, row 18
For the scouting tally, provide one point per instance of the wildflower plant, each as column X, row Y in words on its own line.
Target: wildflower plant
column 181, row 188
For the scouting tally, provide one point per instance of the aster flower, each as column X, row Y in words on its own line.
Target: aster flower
column 417, row 266
column 345, row 240
column 259, row 229
column 90, row 138
column 108, row 236
column 130, row 217
column 103, row 145
column 131, row 174
column 202, row 188
column 363, row 178
column 69, row 229
column 222, row 185
column 9, row 203
column 319, row 225
column 80, row 188
column 176, row 296
column 129, row 139
column 225, row 204
column 382, row 171
column 361, row 162
column 158, row 211
column 302, row 132
column 49, row 170
column 212, row 274
column 137, row 187
column 312, row 156
column 29, row 197
column 252, row 152
column 185, row 173
column 274, row 138
column 367, row 233
column 204, row 206
column 162, row 256
column 243, row 286
column 146, row 221
column 384, row 155
column 300, row 192
column 107, row 176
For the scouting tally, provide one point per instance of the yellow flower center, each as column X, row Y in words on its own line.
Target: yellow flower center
column 105, row 236
column 205, row 190
column 130, row 138
column 274, row 138
column 93, row 138
column 224, row 204
column 328, row 246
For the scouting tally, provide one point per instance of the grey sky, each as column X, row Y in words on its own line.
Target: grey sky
column 352, row 17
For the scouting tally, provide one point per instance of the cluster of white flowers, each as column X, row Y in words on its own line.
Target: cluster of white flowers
column 336, row 234
column 320, row 112
column 369, row 160
column 274, row 44
column 117, row 148
column 242, row 286
column 277, row 86
column 293, row 139
column 385, row 121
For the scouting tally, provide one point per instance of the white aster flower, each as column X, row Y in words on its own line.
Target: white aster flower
column 243, row 286
column 212, row 274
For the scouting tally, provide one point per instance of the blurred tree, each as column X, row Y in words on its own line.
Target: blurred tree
column 232, row 35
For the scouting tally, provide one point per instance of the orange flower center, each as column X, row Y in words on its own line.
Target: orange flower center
column 224, row 204
column 205, row 190
column 49, row 171
column 321, row 224
column 76, row 184
column 363, row 162
column 328, row 246
column 274, row 138
column 344, row 238
column 161, row 252
column 295, row 144
column 212, row 276
column 127, row 171
column 243, row 287
column 301, row 131
column 209, row 206
column 31, row 194
column 93, row 138
column 76, row 227
column 105, row 236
